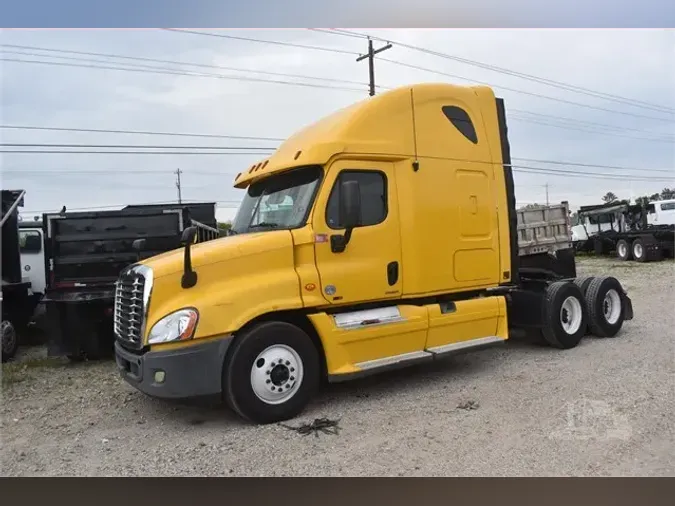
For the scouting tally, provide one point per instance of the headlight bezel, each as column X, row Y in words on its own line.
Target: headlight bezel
column 191, row 312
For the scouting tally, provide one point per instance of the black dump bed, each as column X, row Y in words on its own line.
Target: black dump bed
column 11, row 256
column 92, row 248
column 203, row 212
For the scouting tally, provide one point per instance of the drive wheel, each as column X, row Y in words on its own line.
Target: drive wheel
column 623, row 250
column 271, row 372
column 605, row 306
column 565, row 315
column 583, row 283
column 639, row 250
column 10, row 341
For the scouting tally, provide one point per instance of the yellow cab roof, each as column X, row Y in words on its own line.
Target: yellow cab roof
column 379, row 125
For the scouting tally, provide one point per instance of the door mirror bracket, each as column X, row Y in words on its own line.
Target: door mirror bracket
column 350, row 212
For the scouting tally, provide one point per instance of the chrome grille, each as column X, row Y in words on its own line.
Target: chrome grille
column 129, row 311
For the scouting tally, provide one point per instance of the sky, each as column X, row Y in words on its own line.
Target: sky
column 634, row 64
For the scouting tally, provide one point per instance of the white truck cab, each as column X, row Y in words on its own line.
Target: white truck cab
column 31, row 247
column 663, row 212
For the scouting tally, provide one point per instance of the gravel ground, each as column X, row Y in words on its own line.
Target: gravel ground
column 604, row 408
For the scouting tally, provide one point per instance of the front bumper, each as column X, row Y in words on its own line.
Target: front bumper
column 193, row 371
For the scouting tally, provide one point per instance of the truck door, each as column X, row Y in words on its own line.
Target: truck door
column 370, row 266
column 31, row 246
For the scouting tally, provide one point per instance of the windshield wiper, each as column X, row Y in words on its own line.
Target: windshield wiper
column 265, row 224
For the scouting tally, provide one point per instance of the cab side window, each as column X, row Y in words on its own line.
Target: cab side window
column 373, row 185
column 30, row 241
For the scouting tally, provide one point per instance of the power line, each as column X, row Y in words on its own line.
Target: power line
column 596, row 175
column 151, row 70
column 273, row 42
column 95, row 152
column 120, row 146
column 595, row 166
column 107, row 172
column 133, row 146
column 515, row 167
column 116, row 207
column 530, row 77
column 335, row 31
column 589, row 129
column 140, row 132
column 156, row 60
column 590, row 123
column 135, row 67
column 514, row 90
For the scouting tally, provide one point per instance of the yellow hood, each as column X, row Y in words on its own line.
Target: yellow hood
column 219, row 250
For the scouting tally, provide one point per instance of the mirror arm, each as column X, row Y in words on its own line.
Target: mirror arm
column 189, row 278
column 338, row 243
column 348, row 235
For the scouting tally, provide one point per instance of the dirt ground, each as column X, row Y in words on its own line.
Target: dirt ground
column 606, row 407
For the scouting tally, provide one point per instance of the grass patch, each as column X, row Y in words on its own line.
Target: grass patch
column 16, row 372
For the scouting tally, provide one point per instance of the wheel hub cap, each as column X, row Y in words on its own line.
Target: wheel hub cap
column 276, row 374
column 611, row 305
column 279, row 375
column 571, row 315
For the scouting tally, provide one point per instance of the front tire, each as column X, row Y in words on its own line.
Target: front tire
column 10, row 340
column 271, row 372
column 605, row 307
column 565, row 315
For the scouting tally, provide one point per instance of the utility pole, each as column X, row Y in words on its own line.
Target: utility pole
column 371, row 62
column 178, row 173
column 546, row 194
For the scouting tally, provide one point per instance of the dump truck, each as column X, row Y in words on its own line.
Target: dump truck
column 18, row 299
column 85, row 252
column 384, row 235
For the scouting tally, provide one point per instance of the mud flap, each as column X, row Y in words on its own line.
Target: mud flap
column 627, row 306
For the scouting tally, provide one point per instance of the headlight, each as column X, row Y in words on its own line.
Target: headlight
column 178, row 326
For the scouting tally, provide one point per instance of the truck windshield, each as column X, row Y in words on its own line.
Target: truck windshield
column 278, row 202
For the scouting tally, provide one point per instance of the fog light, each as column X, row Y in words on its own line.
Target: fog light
column 159, row 376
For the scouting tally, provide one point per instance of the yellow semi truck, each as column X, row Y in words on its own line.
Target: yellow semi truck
column 383, row 235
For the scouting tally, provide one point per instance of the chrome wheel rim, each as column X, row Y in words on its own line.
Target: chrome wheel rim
column 637, row 250
column 622, row 250
column 571, row 315
column 611, row 306
column 276, row 374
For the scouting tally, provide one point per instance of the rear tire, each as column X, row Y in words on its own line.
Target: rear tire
column 604, row 303
column 624, row 250
column 271, row 372
column 565, row 315
column 583, row 283
column 10, row 340
column 639, row 250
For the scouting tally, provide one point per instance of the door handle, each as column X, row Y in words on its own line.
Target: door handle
column 392, row 273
